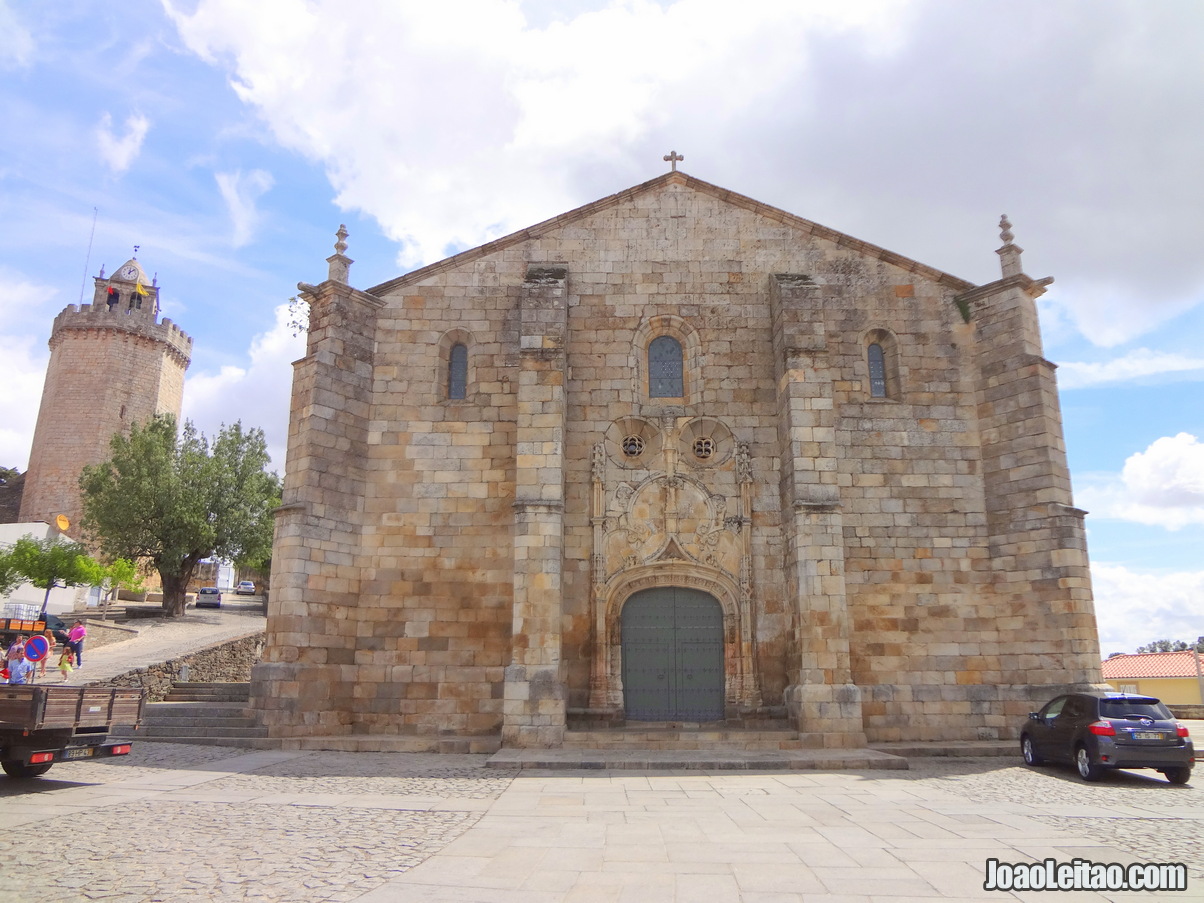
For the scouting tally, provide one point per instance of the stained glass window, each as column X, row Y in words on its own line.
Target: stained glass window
column 877, row 371
column 457, row 372
column 665, row 368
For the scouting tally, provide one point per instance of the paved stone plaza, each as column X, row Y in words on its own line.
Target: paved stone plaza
column 181, row 824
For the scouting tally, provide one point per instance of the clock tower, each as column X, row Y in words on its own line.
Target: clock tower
column 112, row 363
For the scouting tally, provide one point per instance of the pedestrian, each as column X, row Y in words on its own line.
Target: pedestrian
column 49, row 634
column 65, row 664
column 19, row 671
column 16, row 652
column 75, row 641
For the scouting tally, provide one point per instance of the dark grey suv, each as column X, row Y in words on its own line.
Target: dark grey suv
column 1108, row 730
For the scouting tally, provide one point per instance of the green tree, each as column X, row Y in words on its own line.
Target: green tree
column 123, row 574
column 1171, row 646
column 10, row 577
column 166, row 497
column 47, row 563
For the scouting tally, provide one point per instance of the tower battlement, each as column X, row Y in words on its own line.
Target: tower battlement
column 113, row 364
column 143, row 323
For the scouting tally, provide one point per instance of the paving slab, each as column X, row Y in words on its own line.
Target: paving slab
column 177, row 823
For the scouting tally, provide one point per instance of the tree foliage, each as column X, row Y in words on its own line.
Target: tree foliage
column 47, row 563
column 167, row 497
column 1171, row 646
column 10, row 577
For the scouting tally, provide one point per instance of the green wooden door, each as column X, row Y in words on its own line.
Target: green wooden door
column 672, row 655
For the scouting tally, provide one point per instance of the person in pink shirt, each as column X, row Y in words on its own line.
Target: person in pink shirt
column 75, row 641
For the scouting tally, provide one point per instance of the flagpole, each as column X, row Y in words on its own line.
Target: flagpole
column 88, row 258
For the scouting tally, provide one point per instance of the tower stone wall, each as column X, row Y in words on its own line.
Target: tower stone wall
column 113, row 363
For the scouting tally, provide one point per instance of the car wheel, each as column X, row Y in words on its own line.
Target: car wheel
column 1029, row 751
column 21, row 770
column 1178, row 775
column 1088, row 770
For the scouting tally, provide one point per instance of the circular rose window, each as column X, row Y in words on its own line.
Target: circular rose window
column 704, row 447
column 633, row 446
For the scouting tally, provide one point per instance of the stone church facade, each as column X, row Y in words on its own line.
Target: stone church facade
column 674, row 456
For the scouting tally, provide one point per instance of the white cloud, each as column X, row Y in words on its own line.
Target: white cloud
column 25, row 360
column 241, row 192
column 1141, row 363
column 258, row 394
column 120, row 152
column 1133, row 608
column 1162, row 486
column 16, row 42
column 453, row 122
column 25, row 307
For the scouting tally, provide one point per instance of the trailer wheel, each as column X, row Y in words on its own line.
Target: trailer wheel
column 21, row 770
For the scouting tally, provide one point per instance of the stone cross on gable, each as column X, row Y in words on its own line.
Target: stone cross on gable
column 673, row 158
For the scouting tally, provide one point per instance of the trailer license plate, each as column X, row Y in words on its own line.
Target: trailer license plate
column 80, row 752
column 1147, row 735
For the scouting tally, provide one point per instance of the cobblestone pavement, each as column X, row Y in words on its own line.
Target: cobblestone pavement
column 1136, row 811
column 180, row 824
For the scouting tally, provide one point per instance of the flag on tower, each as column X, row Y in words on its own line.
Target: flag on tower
column 138, row 289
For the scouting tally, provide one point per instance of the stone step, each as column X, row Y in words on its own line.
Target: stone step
column 696, row 760
column 187, row 721
column 157, row 731
column 206, row 740
column 184, row 709
column 185, row 691
column 393, row 743
column 206, row 697
column 674, row 738
column 952, row 748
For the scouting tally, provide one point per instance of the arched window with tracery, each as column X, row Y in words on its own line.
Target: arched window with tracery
column 665, row 368
column 457, row 371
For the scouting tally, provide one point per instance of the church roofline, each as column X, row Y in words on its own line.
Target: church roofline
column 804, row 225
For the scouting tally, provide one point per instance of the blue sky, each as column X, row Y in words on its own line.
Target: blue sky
column 229, row 140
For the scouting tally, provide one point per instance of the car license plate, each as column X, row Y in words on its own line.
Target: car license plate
column 80, row 752
column 1147, row 735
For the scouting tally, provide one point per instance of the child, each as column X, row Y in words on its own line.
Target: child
column 65, row 664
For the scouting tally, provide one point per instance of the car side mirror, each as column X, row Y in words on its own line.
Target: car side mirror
column 1034, row 716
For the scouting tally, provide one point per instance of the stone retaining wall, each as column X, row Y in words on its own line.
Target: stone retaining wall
column 226, row 662
column 1190, row 712
column 101, row 633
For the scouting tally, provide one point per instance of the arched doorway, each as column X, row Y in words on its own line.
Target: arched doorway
column 672, row 655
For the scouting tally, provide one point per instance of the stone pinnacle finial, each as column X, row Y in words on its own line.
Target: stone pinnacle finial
column 340, row 265
column 1005, row 230
column 1009, row 254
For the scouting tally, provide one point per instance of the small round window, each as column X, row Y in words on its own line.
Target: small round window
column 633, row 446
column 704, row 447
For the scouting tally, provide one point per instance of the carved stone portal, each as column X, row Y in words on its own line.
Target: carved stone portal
column 673, row 509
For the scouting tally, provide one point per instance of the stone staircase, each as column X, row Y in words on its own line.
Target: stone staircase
column 209, row 714
column 677, row 736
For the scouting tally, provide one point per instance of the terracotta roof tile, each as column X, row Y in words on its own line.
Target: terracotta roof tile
column 1151, row 664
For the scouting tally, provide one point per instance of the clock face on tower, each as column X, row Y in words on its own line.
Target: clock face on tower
column 128, row 272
